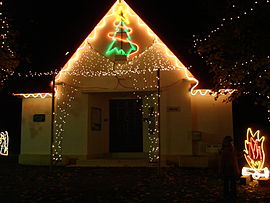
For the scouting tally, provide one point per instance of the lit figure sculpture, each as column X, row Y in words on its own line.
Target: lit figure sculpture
column 255, row 156
column 4, row 143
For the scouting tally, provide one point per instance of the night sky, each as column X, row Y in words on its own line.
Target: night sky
column 51, row 28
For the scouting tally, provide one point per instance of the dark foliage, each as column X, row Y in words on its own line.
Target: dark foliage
column 238, row 54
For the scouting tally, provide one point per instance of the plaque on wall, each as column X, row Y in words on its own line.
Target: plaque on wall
column 173, row 109
column 95, row 119
column 39, row 118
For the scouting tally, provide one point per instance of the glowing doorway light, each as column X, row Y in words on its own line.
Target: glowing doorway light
column 255, row 155
column 4, row 143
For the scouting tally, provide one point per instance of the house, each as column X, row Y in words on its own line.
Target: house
column 124, row 94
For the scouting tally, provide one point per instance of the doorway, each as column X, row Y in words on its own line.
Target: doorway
column 126, row 126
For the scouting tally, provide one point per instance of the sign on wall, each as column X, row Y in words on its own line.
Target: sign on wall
column 39, row 117
column 173, row 109
column 95, row 119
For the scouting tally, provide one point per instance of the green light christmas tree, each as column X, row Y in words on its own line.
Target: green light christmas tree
column 121, row 40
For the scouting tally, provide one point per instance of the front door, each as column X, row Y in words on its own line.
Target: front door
column 126, row 126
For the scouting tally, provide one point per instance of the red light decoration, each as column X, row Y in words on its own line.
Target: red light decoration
column 255, row 155
column 121, row 40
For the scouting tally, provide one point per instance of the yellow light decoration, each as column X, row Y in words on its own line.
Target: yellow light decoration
column 121, row 15
column 4, row 143
column 256, row 173
column 103, row 22
column 122, row 7
column 120, row 25
column 255, row 155
column 34, row 95
column 204, row 92
column 88, row 62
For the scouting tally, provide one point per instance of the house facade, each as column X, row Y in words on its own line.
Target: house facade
column 124, row 94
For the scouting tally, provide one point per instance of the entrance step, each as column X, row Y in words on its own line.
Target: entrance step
column 129, row 155
column 114, row 163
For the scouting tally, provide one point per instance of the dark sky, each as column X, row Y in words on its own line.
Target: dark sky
column 51, row 28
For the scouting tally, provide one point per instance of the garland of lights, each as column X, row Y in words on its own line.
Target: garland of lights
column 4, row 26
column 6, row 68
column 64, row 103
column 218, row 28
column 91, row 56
column 228, row 20
column 149, row 110
column 86, row 59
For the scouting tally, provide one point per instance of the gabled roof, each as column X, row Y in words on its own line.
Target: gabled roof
column 98, row 55
column 140, row 37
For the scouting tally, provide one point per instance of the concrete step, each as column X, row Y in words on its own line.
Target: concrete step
column 129, row 155
column 114, row 163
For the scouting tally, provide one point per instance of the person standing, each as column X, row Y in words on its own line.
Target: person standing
column 228, row 167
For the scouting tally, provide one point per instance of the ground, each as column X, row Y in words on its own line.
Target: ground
column 64, row 184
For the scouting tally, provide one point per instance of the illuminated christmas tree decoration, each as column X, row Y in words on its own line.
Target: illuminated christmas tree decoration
column 121, row 36
column 255, row 155
column 122, row 12
column 121, row 29
column 140, row 72
column 4, row 143
column 118, row 6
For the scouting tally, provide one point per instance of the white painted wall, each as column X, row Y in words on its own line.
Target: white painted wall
column 35, row 136
column 175, row 125
column 196, row 113
column 76, row 126
column 98, row 141
column 212, row 118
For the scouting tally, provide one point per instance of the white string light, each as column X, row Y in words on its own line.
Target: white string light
column 6, row 66
column 141, row 71
column 4, row 27
column 224, row 21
